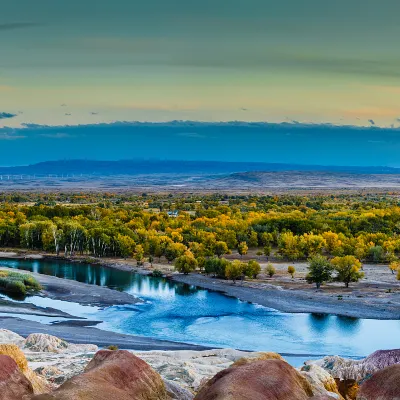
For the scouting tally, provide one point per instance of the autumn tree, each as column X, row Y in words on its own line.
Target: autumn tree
column 234, row 270
column 252, row 269
column 126, row 245
column 348, row 269
column 174, row 250
column 270, row 270
column 394, row 266
column 291, row 270
column 220, row 248
column 242, row 248
column 139, row 254
column 319, row 270
column 186, row 263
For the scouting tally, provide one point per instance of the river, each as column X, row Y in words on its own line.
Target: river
column 179, row 312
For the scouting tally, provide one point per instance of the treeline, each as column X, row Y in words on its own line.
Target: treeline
column 290, row 227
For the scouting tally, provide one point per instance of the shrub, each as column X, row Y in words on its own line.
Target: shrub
column 157, row 273
column 112, row 347
column 18, row 284
column 270, row 270
column 291, row 270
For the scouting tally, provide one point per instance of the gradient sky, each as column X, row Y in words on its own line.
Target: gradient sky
column 91, row 61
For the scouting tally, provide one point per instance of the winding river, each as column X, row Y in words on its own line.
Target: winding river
column 184, row 313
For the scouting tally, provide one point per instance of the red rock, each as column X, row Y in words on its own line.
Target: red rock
column 259, row 380
column 112, row 375
column 383, row 385
column 13, row 383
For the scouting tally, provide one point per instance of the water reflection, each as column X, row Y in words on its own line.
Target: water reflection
column 185, row 313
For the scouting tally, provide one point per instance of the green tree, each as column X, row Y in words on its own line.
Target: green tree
column 185, row 263
column 252, row 269
column 348, row 269
column 242, row 248
column 234, row 270
column 319, row 270
column 267, row 250
column 201, row 262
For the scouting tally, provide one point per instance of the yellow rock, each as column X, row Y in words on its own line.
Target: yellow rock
column 257, row 357
column 13, row 351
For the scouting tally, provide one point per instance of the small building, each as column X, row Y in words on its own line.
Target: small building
column 173, row 214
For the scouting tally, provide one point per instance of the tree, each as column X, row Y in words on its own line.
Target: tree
column 201, row 262
column 151, row 259
column 291, row 270
column 394, row 266
column 139, row 254
column 348, row 269
column 270, row 270
column 174, row 250
column 234, row 270
column 319, row 270
column 376, row 254
column 267, row 250
column 398, row 274
column 126, row 245
column 186, row 263
column 221, row 248
column 252, row 269
column 242, row 248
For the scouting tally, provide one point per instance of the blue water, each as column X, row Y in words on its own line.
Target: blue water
column 185, row 313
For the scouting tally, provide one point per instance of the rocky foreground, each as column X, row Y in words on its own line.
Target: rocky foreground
column 44, row 367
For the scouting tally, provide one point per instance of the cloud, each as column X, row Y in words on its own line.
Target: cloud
column 371, row 121
column 18, row 25
column 5, row 115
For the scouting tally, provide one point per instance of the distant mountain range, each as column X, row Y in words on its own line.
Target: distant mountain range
column 146, row 167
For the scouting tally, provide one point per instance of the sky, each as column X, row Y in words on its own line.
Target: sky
column 85, row 62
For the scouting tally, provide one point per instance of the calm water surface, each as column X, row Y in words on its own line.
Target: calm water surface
column 185, row 313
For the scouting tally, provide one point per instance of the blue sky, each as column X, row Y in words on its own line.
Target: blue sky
column 237, row 141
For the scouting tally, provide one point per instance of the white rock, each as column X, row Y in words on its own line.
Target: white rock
column 8, row 337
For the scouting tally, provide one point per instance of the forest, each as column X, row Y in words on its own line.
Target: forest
column 289, row 227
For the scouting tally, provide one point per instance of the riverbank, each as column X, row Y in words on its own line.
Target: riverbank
column 300, row 301
column 375, row 297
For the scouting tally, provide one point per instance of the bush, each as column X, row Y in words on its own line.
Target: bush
column 270, row 270
column 112, row 347
column 18, row 284
column 291, row 270
column 16, row 287
column 157, row 273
